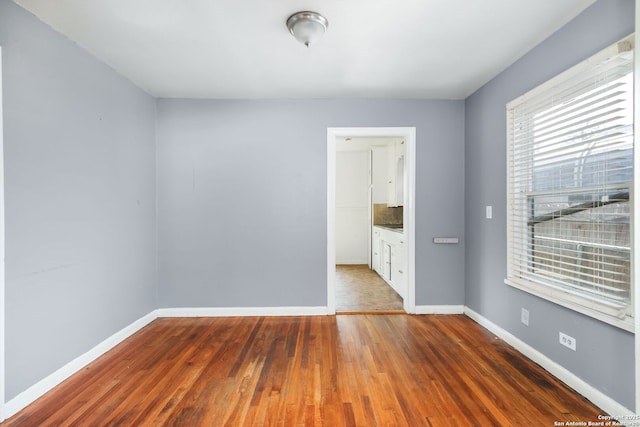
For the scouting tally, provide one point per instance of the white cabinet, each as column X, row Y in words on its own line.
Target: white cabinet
column 386, row 260
column 376, row 256
column 395, row 174
column 400, row 180
column 379, row 175
column 399, row 267
column 390, row 250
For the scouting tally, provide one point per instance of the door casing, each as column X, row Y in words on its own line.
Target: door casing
column 409, row 135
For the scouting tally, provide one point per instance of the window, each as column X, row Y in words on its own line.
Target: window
column 570, row 182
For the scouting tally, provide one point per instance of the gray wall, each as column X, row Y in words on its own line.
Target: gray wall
column 80, row 200
column 242, row 198
column 605, row 356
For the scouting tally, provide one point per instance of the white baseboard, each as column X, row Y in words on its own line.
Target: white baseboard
column 588, row 391
column 28, row 396
column 241, row 311
column 439, row 309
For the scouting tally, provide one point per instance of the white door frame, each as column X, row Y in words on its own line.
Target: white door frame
column 409, row 135
column 635, row 238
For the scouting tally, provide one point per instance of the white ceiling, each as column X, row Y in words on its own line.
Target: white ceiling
column 442, row 49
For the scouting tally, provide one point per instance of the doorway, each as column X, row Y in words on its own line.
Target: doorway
column 360, row 289
column 363, row 140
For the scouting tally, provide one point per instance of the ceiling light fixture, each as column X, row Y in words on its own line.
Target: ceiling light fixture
column 307, row 27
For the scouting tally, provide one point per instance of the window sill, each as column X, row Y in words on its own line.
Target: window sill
column 576, row 302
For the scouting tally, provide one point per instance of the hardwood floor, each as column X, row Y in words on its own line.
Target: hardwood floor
column 359, row 370
column 359, row 289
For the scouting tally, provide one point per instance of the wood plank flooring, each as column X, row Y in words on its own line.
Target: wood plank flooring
column 357, row 370
column 359, row 289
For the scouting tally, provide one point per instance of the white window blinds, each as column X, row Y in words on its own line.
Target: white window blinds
column 570, row 175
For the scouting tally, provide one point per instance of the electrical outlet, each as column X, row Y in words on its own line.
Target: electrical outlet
column 568, row 341
column 524, row 316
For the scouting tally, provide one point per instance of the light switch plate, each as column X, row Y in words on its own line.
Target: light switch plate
column 489, row 212
column 524, row 316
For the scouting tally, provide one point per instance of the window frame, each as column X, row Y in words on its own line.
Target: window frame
column 574, row 300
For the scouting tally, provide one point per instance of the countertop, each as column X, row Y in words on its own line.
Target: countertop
column 398, row 228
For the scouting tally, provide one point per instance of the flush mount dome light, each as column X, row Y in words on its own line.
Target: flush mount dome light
column 307, row 27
